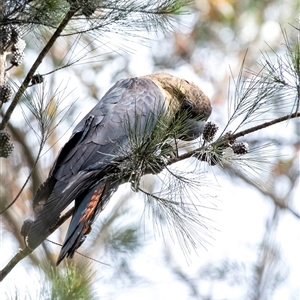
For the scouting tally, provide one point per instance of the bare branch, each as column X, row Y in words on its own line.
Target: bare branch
column 14, row 261
column 26, row 251
column 266, row 124
column 279, row 202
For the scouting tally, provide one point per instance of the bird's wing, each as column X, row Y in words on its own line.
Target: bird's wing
column 129, row 103
column 100, row 139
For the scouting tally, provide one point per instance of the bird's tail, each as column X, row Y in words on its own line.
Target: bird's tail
column 87, row 207
column 50, row 202
column 90, row 195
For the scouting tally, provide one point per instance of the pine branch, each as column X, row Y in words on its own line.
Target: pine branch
column 266, row 124
column 34, row 67
column 26, row 251
column 195, row 153
column 14, row 261
column 237, row 135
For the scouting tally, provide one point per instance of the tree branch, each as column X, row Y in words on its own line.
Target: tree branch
column 14, row 261
column 26, row 251
column 279, row 202
column 236, row 135
column 34, row 67
column 266, row 124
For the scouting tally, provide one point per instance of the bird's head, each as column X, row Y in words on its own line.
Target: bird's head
column 184, row 98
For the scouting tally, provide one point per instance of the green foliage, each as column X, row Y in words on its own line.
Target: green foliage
column 44, row 105
column 151, row 142
column 72, row 282
column 30, row 14
column 124, row 240
column 282, row 71
column 96, row 15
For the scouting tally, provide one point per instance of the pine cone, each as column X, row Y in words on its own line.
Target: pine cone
column 4, row 137
column 19, row 46
column 36, row 79
column 6, row 147
column 209, row 131
column 17, row 58
column 240, row 148
column 9, row 35
column 15, row 33
column 5, row 93
column 6, row 150
column 5, row 36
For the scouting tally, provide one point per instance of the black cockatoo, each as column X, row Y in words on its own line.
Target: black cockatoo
column 87, row 169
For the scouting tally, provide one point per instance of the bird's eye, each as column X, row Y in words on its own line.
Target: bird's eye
column 187, row 105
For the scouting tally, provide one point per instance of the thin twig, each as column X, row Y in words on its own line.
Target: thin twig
column 81, row 254
column 236, row 135
column 34, row 67
column 26, row 251
column 279, row 202
column 26, row 181
column 266, row 124
column 14, row 261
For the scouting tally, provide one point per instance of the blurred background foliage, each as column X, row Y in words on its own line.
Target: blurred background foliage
column 207, row 45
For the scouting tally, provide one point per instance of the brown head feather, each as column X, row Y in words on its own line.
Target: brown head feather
column 176, row 91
